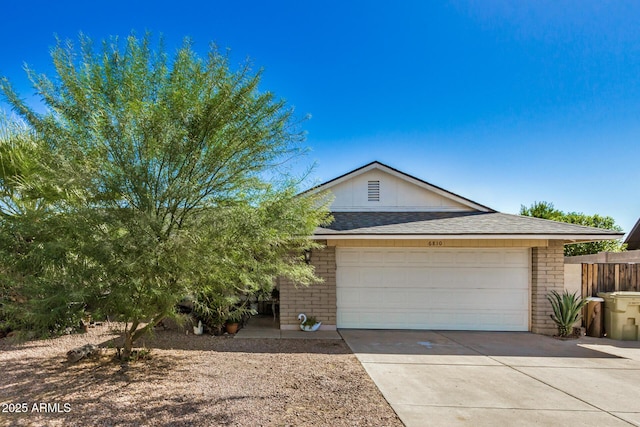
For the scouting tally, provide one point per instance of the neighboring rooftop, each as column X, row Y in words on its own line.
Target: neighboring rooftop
column 633, row 239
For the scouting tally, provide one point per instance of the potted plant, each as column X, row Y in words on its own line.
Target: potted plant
column 567, row 309
column 233, row 321
column 308, row 324
column 237, row 316
column 213, row 309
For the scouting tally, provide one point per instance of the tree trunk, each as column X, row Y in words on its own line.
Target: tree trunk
column 127, row 345
column 132, row 334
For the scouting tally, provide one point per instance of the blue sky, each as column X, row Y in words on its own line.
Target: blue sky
column 502, row 102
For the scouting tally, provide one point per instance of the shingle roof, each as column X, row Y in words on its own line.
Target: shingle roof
column 453, row 224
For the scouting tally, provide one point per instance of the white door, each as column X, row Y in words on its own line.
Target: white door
column 433, row 288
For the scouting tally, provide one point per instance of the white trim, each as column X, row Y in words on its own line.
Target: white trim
column 576, row 237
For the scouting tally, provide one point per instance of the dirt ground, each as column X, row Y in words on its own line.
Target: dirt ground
column 188, row 381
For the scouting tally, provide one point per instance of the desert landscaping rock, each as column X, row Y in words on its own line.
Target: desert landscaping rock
column 189, row 381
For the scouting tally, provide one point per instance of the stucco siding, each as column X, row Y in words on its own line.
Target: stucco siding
column 573, row 278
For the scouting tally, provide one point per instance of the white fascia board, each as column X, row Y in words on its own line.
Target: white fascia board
column 344, row 178
column 574, row 238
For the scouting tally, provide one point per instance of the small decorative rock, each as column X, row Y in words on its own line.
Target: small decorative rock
column 81, row 352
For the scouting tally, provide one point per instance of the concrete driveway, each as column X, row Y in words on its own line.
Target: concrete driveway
column 502, row 378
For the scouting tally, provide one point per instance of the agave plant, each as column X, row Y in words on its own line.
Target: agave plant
column 567, row 309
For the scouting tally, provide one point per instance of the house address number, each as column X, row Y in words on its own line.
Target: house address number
column 436, row 243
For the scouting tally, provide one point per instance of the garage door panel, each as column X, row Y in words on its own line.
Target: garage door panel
column 423, row 288
column 395, row 258
column 372, row 277
column 464, row 279
column 470, row 278
column 480, row 278
column 463, row 301
column 391, row 299
column 354, row 300
column 349, row 298
column 432, row 299
column 519, row 259
column 349, row 276
column 436, row 319
column 418, row 278
column 349, row 257
column 415, row 258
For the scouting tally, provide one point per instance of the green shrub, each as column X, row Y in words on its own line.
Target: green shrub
column 567, row 309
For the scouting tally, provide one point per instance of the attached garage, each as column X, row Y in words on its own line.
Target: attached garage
column 401, row 253
column 433, row 288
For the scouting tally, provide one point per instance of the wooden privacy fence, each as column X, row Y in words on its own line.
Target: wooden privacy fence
column 610, row 278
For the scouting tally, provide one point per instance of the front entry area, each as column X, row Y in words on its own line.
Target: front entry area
column 433, row 288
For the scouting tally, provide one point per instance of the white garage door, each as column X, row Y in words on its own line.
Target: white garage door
column 433, row 288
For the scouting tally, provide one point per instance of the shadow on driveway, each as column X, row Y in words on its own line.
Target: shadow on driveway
column 453, row 378
column 492, row 344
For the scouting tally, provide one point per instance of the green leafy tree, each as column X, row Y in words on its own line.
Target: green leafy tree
column 168, row 181
column 546, row 210
column 36, row 237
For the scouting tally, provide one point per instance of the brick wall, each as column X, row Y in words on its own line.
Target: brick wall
column 317, row 300
column 547, row 273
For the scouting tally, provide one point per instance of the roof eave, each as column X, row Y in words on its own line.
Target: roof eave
column 573, row 238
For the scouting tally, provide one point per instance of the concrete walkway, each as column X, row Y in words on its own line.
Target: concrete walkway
column 502, row 378
column 267, row 327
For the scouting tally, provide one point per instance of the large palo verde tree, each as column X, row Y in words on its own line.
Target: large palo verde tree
column 158, row 176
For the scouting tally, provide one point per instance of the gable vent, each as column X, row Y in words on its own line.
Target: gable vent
column 373, row 191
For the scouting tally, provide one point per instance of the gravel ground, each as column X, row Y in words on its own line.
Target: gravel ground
column 189, row 381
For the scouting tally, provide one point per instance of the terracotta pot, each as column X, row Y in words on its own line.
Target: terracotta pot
column 232, row 328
